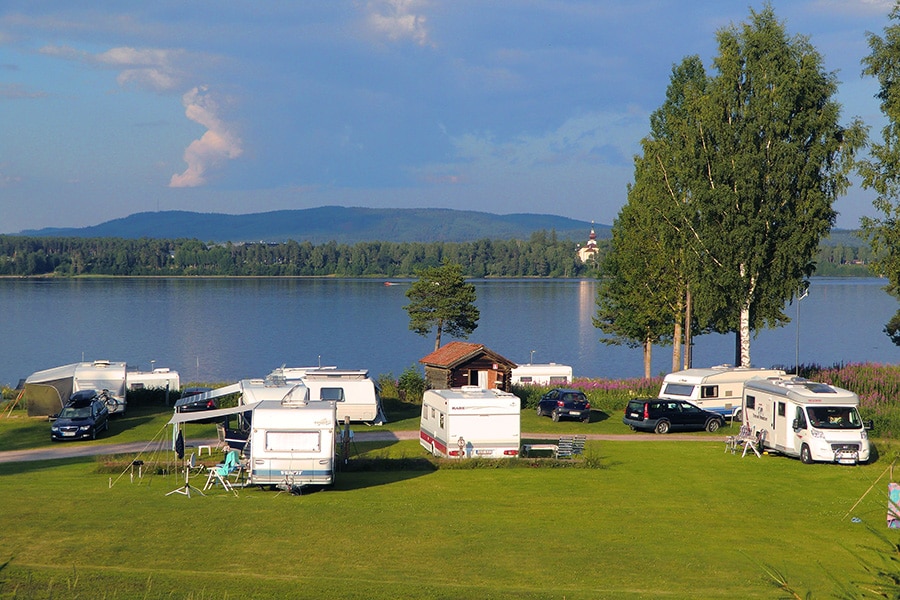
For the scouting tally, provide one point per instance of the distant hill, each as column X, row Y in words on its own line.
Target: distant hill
column 333, row 223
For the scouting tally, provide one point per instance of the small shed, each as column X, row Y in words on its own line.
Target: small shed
column 461, row 363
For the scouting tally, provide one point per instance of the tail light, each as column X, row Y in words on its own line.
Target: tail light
column 455, row 453
column 560, row 403
column 510, row 452
column 587, row 406
column 646, row 410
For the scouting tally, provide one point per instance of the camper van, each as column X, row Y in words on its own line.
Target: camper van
column 470, row 422
column 356, row 395
column 814, row 421
column 716, row 389
column 542, row 374
column 46, row 392
column 159, row 379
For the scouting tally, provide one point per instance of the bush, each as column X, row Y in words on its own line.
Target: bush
column 411, row 385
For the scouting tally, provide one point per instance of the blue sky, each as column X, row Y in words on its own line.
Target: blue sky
column 506, row 106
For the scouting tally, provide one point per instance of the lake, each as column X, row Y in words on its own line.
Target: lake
column 226, row 329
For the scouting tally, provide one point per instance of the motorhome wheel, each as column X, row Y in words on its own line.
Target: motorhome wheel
column 806, row 455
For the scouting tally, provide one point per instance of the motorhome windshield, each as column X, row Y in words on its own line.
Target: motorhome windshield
column 679, row 389
column 834, row 417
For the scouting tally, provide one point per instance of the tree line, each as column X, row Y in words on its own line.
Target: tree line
column 542, row 255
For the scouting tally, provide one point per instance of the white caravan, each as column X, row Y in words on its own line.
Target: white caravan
column 46, row 392
column 356, row 395
column 802, row 418
column 470, row 422
column 542, row 374
column 291, row 441
column 157, row 379
column 716, row 389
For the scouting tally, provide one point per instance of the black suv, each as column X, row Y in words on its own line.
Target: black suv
column 661, row 416
column 560, row 403
column 84, row 416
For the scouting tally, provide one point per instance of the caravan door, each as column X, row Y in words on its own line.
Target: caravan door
column 782, row 426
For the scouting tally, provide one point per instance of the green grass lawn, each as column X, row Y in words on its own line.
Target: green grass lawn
column 681, row 520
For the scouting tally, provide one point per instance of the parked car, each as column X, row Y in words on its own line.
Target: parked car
column 664, row 415
column 561, row 402
column 84, row 416
column 187, row 404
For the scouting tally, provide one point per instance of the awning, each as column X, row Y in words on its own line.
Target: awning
column 203, row 415
column 234, row 388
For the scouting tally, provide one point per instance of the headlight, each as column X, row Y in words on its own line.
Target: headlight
column 84, row 428
column 863, row 435
column 54, row 428
column 817, row 434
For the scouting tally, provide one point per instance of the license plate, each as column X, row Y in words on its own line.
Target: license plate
column 484, row 452
column 575, row 412
column 68, row 433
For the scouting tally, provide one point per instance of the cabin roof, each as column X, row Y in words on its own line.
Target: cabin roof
column 456, row 353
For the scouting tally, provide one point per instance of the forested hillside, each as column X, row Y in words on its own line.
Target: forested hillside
column 542, row 255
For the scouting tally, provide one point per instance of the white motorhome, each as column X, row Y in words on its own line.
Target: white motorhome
column 291, row 441
column 47, row 391
column 470, row 422
column 356, row 395
column 717, row 389
column 159, row 379
column 814, row 421
column 542, row 374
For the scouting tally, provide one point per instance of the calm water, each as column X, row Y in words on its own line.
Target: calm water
column 224, row 330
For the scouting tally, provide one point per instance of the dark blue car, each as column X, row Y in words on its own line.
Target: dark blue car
column 564, row 403
column 84, row 416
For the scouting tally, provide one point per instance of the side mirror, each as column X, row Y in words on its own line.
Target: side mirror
column 54, row 417
column 796, row 424
column 869, row 424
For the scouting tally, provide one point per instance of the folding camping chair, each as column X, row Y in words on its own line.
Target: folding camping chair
column 219, row 473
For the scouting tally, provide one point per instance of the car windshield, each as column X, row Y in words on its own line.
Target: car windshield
column 72, row 412
column 834, row 417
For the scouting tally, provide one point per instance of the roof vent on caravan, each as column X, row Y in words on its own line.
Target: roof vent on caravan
column 298, row 396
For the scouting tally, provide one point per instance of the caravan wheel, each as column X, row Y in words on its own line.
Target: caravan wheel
column 736, row 416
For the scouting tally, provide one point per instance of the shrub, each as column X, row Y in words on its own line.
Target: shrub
column 607, row 395
column 411, row 385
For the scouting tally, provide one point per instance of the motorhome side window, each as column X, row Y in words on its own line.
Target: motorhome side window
column 751, row 402
column 333, row 394
column 781, row 409
column 709, row 391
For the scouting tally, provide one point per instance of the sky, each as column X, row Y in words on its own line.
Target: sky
column 109, row 108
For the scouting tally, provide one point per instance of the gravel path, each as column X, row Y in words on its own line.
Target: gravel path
column 75, row 450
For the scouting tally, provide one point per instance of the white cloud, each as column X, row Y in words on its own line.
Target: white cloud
column 216, row 145
column 399, row 19
column 154, row 69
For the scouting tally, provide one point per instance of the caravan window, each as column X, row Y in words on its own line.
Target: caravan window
column 333, row 394
column 781, row 409
column 751, row 402
column 709, row 391
column 679, row 389
column 293, row 441
column 525, row 379
column 557, row 379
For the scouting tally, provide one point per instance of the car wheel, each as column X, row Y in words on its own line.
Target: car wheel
column 540, row 413
column 555, row 415
column 712, row 425
column 662, row 427
column 587, row 419
column 805, row 455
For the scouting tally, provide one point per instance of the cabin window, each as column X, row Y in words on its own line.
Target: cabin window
column 750, row 402
column 709, row 391
column 781, row 409
column 333, row 394
column 679, row 389
column 800, row 418
column 293, row 441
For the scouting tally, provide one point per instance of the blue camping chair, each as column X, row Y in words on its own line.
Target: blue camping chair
column 220, row 472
